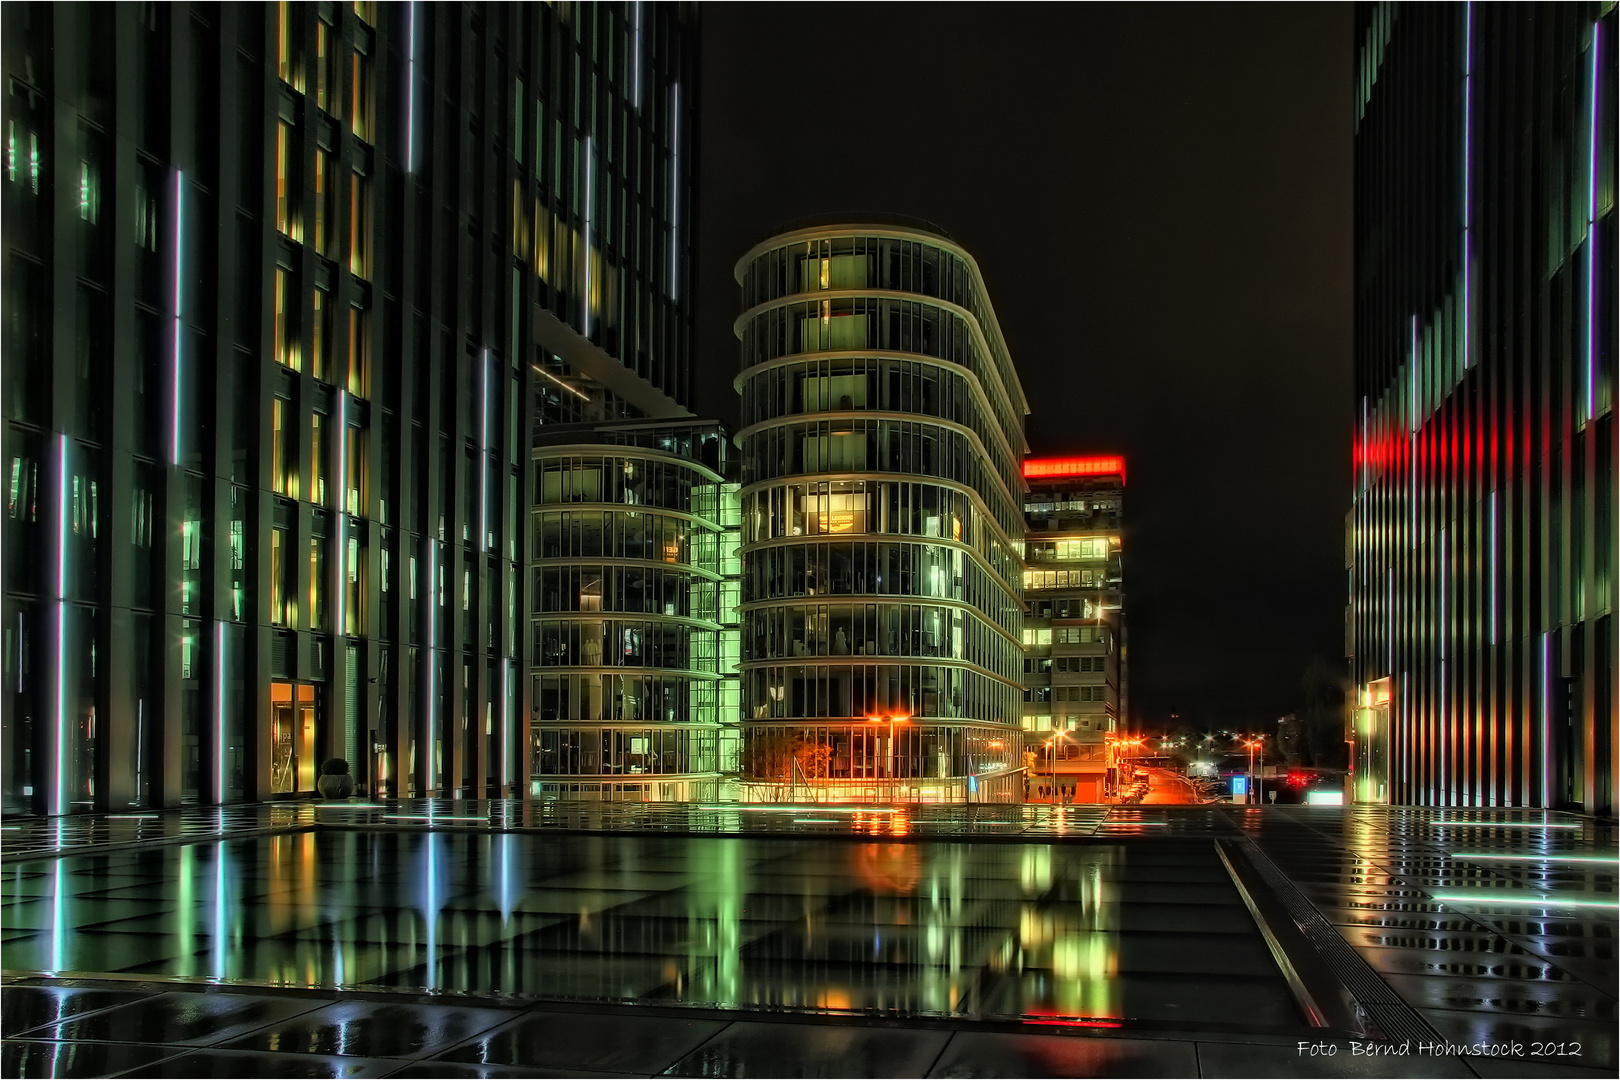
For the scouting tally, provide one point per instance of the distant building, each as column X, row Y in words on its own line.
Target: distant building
column 883, row 427
column 1481, row 540
column 1075, row 675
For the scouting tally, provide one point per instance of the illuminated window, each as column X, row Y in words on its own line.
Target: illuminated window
column 284, row 330
column 354, row 483
column 317, row 575
column 289, row 39
column 327, row 94
column 367, row 10
column 360, row 83
column 321, row 336
column 289, row 222
column 283, row 479
column 317, row 459
column 359, row 226
column 283, row 612
column 359, row 374
column 326, row 216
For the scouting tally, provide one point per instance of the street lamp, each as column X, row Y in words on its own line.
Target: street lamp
column 1051, row 753
column 891, row 720
column 1254, row 785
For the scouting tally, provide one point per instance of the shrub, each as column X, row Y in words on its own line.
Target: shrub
column 334, row 767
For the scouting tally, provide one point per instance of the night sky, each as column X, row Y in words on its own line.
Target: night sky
column 1158, row 197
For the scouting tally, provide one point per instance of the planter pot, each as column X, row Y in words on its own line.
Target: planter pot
column 339, row 786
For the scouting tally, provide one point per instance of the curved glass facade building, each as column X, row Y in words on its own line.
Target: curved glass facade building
column 882, row 525
column 629, row 597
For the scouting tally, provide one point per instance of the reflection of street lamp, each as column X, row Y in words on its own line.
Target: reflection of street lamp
column 892, row 720
column 1051, row 749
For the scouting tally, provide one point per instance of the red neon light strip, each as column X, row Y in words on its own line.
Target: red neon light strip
column 1080, row 466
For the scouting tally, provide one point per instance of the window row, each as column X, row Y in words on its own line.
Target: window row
column 666, row 699
column 339, row 358
column 861, row 324
column 858, row 691
column 1091, row 547
column 887, row 629
column 619, row 589
column 781, row 753
column 1069, row 664
column 887, row 446
column 610, row 478
column 1066, row 579
column 328, row 451
column 612, row 643
column 610, row 534
column 591, row 752
column 830, row 507
column 331, row 189
column 884, row 385
column 840, row 568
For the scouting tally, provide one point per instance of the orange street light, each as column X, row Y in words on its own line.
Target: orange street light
column 891, row 720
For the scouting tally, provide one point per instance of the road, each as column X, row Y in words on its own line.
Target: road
column 1165, row 786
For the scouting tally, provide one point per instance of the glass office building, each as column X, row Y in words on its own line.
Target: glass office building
column 1075, row 675
column 882, row 433
column 286, row 287
column 1481, row 540
column 634, row 583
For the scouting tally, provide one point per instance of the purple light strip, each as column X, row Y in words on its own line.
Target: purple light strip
column 179, row 260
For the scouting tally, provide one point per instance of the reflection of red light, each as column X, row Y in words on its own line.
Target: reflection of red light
column 1078, row 466
column 1054, row 1022
column 888, row 869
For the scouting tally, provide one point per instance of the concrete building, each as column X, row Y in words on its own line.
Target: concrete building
column 882, row 431
column 1480, row 543
column 286, row 288
column 1075, row 674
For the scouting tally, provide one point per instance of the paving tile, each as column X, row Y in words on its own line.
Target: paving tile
column 452, row 1070
column 224, row 1063
column 1544, row 998
column 755, row 1048
column 28, row 1057
column 991, row 1054
column 25, row 1007
column 1242, row 1060
column 373, row 1029
column 182, row 1018
column 1550, row 1069
column 1596, row 1041
column 604, row 1042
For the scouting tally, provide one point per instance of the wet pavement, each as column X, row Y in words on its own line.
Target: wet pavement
column 393, row 939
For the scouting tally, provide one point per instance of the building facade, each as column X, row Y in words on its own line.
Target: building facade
column 634, row 584
column 882, row 431
column 1075, row 675
column 286, row 287
column 1481, row 542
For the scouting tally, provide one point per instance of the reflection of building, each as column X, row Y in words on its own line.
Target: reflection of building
column 634, row 599
column 882, row 432
column 1074, row 666
column 282, row 283
column 1480, row 543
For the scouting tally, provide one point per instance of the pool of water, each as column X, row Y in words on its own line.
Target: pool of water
column 1143, row 935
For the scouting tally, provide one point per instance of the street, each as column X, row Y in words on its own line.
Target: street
column 1165, row 786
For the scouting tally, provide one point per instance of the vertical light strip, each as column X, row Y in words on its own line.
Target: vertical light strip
column 1414, row 434
column 506, row 719
column 635, row 54
column 219, row 711
column 1492, row 633
column 62, row 511
column 343, row 511
column 410, row 88
column 1546, row 720
column 590, row 191
column 1467, row 193
column 675, row 195
column 431, row 741
column 483, row 439
column 179, row 266
column 1591, row 223
column 1389, row 613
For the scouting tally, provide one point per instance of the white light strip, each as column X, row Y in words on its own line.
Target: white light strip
column 62, row 511
column 675, row 195
column 483, row 438
column 433, row 643
column 635, row 54
column 343, row 511
column 506, row 719
column 429, row 817
column 179, row 264
column 1532, row 858
column 410, row 89
column 1532, row 901
column 1591, row 223
column 1506, row 824
column 1546, row 720
column 219, row 710
column 351, row 806
column 590, row 199
column 1467, row 194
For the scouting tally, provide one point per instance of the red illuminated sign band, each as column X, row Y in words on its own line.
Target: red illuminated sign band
column 1039, row 468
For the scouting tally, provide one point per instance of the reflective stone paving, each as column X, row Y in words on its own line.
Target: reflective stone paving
column 904, row 954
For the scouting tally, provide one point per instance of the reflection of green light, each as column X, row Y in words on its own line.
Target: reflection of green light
column 1519, row 901
column 1533, row 858
column 1506, row 824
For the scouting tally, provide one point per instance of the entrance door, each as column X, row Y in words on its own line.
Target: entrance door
column 292, row 738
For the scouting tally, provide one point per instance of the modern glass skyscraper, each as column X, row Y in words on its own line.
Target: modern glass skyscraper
column 1481, row 546
column 286, row 287
column 882, row 433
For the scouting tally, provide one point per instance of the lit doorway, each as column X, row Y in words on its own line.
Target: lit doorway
column 292, row 738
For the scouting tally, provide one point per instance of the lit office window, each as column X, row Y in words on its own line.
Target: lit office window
column 321, row 336
column 367, row 10
column 360, row 226
column 354, row 585
column 289, row 38
column 354, row 483
column 360, row 83
column 284, row 331
column 317, row 459
column 283, row 469
column 327, row 79
column 326, row 216
column 317, row 576
column 289, row 222
column 280, row 594
column 359, row 375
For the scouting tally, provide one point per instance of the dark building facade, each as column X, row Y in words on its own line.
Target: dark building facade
column 286, row 289
column 1481, row 542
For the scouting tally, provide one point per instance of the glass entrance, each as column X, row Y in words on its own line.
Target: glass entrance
column 292, row 738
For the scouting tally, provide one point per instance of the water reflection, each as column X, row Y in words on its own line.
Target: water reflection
column 1084, row 933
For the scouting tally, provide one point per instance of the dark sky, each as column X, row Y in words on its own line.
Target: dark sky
column 1159, row 199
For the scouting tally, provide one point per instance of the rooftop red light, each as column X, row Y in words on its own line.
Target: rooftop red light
column 1052, row 468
